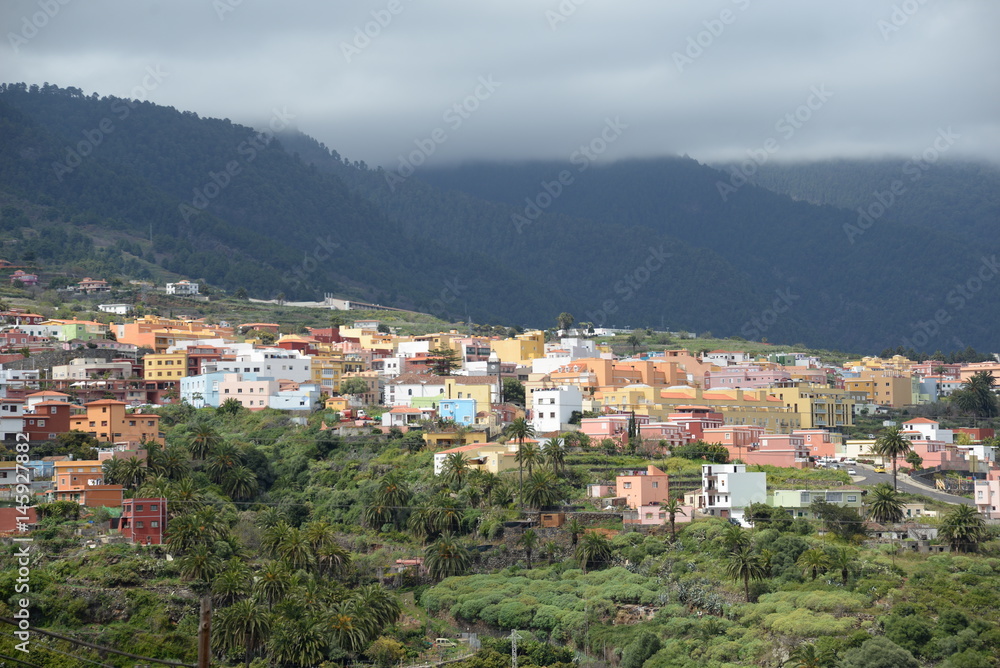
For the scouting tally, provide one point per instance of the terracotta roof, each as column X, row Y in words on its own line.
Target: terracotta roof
column 921, row 421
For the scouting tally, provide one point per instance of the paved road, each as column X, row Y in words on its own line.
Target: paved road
column 867, row 476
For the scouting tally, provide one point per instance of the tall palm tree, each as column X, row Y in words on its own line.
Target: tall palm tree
column 273, row 582
column 542, row 489
column 240, row 483
column 223, row 458
column 332, row 559
column 977, row 395
column 884, row 505
column 735, row 538
column 201, row 563
column 673, row 508
column 242, row 627
column 112, row 469
column 272, row 538
column 446, row 557
column 574, row 527
column 528, row 455
column 842, row 560
column 964, row 528
column 349, row 625
column 746, row 566
column 294, row 549
column 382, row 606
column 551, row 551
column 554, row 454
column 172, row 462
column 529, row 541
column 807, row 656
column 299, row 641
column 133, row 472
column 594, row 549
column 203, row 438
column 813, row 561
column 520, row 429
column 233, row 583
column 892, row 443
column 454, row 468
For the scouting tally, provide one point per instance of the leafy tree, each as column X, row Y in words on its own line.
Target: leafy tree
column 565, row 321
column 884, row 505
column 843, row 522
column 446, row 557
column 443, row 361
column 594, row 549
column 964, row 528
column 513, row 391
column 639, row 650
column 354, row 386
column 242, row 628
column 879, row 652
column 746, row 566
column 892, row 443
column 915, row 460
column 529, row 541
column 908, row 631
column 385, row 651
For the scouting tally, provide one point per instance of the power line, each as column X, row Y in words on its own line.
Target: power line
column 101, row 648
column 23, row 663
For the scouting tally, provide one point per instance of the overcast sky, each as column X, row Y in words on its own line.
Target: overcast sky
column 709, row 78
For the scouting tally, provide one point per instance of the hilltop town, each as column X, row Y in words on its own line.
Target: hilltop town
column 579, row 446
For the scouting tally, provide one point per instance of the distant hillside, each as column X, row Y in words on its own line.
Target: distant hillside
column 635, row 244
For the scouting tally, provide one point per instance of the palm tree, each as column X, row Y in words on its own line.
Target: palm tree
column 240, row 483
column 528, row 455
column 806, row 656
column 332, row 559
column 203, row 439
column 230, row 406
column 273, row 582
column 842, row 561
column 349, row 626
column 746, row 566
column 964, row 528
column 551, row 551
column 382, row 606
column 884, row 505
column 673, row 508
column 593, row 549
column 297, row 642
column 814, row 561
column 454, row 468
column 201, row 563
column 294, row 549
column 172, row 462
column 542, row 489
column 529, row 541
column 554, row 454
column 520, row 429
column 112, row 469
column 574, row 527
column 892, row 443
column 133, row 472
column 977, row 395
column 634, row 341
column 735, row 538
column 242, row 627
column 268, row 518
column 223, row 458
column 446, row 557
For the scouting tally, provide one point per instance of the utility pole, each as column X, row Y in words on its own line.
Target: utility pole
column 205, row 632
column 513, row 648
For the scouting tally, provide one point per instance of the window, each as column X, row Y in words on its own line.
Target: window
column 154, row 507
column 852, row 498
column 139, row 525
column 154, row 524
column 656, row 484
column 138, row 508
column 627, row 485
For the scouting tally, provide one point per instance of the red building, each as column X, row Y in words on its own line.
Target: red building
column 144, row 521
column 49, row 419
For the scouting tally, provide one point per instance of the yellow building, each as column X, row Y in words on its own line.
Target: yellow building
column 754, row 407
column 817, row 406
column 165, row 366
column 492, row 457
column 328, row 370
column 639, row 398
column 441, row 439
column 481, row 388
column 887, row 388
column 521, row 349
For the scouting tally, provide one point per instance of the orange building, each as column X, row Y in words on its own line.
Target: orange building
column 642, row 488
column 106, row 420
column 159, row 333
column 82, row 481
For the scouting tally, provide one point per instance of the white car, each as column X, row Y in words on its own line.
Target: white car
column 852, row 472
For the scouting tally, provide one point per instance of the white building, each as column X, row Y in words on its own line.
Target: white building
column 17, row 379
column 11, row 424
column 117, row 309
column 726, row 357
column 303, row 397
column 929, row 430
column 403, row 389
column 726, row 489
column 182, row 288
column 413, row 348
column 553, row 408
column 275, row 363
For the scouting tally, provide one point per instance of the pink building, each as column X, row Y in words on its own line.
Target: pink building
column 696, row 419
column 784, row 450
column 252, row 394
column 613, row 426
column 598, row 490
column 673, row 434
column 737, row 439
column 654, row 515
column 819, row 442
column 987, row 494
column 746, row 377
column 642, row 488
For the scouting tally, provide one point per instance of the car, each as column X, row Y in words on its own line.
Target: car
column 880, row 469
column 852, row 471
column 445, row 642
